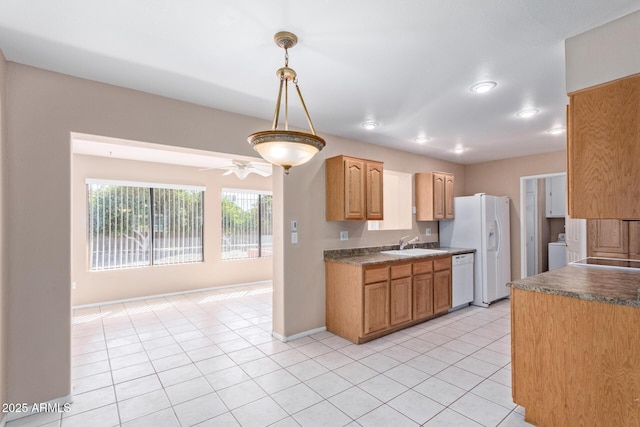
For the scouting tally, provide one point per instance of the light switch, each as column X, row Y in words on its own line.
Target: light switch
column 344, row 235
column 294, row 237
column 294, row 225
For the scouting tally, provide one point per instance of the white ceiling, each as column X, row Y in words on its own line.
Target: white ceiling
column 407, row 64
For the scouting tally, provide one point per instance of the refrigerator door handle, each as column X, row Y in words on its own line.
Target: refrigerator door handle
column 498, row 234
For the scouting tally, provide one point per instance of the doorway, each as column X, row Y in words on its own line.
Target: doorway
column 544, row 221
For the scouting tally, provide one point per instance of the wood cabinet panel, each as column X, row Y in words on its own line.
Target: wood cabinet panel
column 449, row 195
column 354, row 195
column 374, row 200
column 353, row 189
column 574, row 362
column 603, row 150
column 376, row 307
column 607, row 238
column 376, row 274
column 434, row 196
column 401, row 309
column 422, row 267
column 441, row 291
column 422, row 296
column 400, row 270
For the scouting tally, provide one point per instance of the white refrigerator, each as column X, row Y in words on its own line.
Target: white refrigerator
column 482, row 223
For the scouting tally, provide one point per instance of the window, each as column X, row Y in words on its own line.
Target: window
column 136, row 225
column 246, row 224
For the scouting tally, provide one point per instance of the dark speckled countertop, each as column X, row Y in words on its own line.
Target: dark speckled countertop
column 371, row 256
column 587, row 283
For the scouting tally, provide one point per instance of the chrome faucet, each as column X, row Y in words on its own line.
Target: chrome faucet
column 404, row 243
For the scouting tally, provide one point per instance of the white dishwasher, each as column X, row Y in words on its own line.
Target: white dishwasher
column 461, row 281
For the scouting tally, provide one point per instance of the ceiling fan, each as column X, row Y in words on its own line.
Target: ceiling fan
column 242, row 169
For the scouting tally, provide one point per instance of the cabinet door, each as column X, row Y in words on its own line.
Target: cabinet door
column 556, row 189
column 400, row 300
column 422, row 296
column 376, row 307
column 441, row 291
column 449, row 194
column 438, row 196
column 374, row 191
column 603, row 151
column 607, row 238
column 354, row 189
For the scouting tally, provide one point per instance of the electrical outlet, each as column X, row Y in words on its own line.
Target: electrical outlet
column 294, row 238
column 427, row 232
column 344, row 235
column 73, row 285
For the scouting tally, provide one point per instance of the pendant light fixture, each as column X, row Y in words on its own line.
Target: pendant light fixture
column 284, row 147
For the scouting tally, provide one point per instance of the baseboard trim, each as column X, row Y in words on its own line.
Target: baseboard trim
column 60, row 401
column 170, row 294
column 299, row 335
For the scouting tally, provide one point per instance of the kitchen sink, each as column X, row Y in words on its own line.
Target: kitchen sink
column 414, row 252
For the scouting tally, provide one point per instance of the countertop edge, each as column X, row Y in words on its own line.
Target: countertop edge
column 375, row 257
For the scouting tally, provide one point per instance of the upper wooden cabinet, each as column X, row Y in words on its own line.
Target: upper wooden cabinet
column 354, row 189
column 434, row 192
column 603, row 148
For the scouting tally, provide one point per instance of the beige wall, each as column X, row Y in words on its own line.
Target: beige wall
column 43, row 109
column 3, row 237
column 100, row 286
column 502, row 178
column 603, row 54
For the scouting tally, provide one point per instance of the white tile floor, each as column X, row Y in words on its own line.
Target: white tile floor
column 208, row 359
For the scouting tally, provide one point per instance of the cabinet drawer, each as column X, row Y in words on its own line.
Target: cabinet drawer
column 422, row 267
column 398, row 271
column 376, row 274
column 442, row 264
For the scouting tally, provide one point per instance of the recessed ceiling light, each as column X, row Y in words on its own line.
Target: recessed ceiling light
column 525, row 114
column 556, row 131
column 422, row 139
column 370, row 125
column 483, row 87
column 459, row 149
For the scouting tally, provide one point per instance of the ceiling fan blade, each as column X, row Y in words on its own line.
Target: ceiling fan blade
column 260, row 171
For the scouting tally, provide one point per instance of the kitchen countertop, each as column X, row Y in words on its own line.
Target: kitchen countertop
column 586, row 283
column 372, row 256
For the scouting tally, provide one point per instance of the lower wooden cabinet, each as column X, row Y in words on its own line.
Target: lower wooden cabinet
column 366, row 302
column 376, row 307
column 442, row 285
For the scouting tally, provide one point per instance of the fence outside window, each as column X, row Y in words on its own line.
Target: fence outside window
column 246, row 224
column 137, row 225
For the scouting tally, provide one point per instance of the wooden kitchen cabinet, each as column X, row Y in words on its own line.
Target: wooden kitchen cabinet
column 353, row 189
column 603, row 148
column 367, row 302
column 422, row 289
column 441, row 285
column 612, row 238
column 376, row 307
column 434, row 196
column 400, row 290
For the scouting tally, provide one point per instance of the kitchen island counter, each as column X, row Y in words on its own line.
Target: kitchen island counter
column 587, row 283
column 575, row 347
